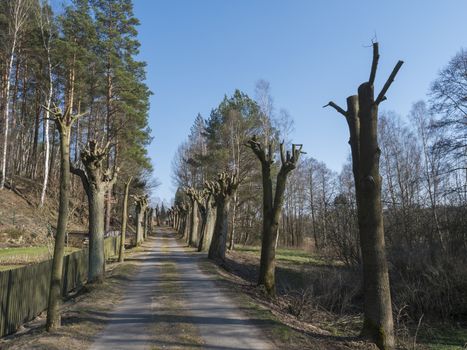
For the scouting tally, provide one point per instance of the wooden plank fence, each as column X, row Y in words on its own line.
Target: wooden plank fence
column 24, row 291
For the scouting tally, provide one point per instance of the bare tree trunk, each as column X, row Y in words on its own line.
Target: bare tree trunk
column 96, row 236
column 64, row 122
column 234, row 219
column 272, row 206
column 268, row 244
column 53, row 310
column 209, row 219
column 121, row 254
column 46, row 132
column 219, row 239
column 378, row 322
column 6, row 111
column 193, row 239
column 146, row 223
column 222, row 191
column 141, row 205
column 362, row 119
column 95, row 181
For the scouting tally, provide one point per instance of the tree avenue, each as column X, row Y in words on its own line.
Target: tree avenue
column 381, row 242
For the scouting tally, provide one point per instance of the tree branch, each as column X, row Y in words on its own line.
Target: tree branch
column 337, row 108
column 374, row 64
column 283, row 158
column 381, row 97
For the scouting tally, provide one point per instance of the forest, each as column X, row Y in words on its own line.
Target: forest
column 263, row 246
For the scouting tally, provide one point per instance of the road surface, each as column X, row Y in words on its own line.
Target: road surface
column 172, row 304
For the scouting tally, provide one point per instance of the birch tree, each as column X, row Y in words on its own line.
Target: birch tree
column 18, row 16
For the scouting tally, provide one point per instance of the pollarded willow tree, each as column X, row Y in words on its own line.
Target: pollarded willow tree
column 207, row 210
column 223, row 190
column 362, row 119
column 141, row 206
column 272, row 205
column 96, row 181
column 193, row 196
column 63, row 122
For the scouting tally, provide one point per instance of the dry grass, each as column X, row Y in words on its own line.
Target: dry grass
column 285, row 330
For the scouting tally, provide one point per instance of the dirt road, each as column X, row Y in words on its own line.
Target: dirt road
column 173, row 304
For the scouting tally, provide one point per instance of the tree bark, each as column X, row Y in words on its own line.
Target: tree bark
column 141, row 205
column 53, row 310
column 222, row 191
column 378, row 322
column 6, row 111
column 64, row 122
column 234, row 219
column 268, row 244
column 219, row 239
column 194, row 224
column 96, row 236
column 362, row 120
column 207, row 230
column 121, row 255
column 272, row 207
column 96, row 182
column 46, row 131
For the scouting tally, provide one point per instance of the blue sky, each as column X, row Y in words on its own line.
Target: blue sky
column 310, row 52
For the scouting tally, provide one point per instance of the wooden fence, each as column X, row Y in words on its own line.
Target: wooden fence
column 24, row 291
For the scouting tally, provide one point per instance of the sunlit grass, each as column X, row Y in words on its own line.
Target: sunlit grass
column 286, row 254
column 17, row 257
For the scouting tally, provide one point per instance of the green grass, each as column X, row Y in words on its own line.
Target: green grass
column 26, row 251
column 444, row 338
column 17, row 257
column 9, row 267
column 287, row 255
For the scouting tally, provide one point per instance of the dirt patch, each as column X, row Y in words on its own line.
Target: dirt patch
column 23, row 223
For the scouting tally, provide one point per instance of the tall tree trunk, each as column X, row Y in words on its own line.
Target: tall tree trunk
column 6, row 112
column 121, row 254
column 141, row 205
column 95, row 181
column 46, row 133
column 222, row 191
column 193, row 241
column 207, row 227
column 234, row 219
column 219, row 240
column 96, row 235
column 362, row 119
column 53, row 311
column 268, row 243
column 272, row 206
column 37, row 122
column 108, row 120
column 378, row 322
column 46, row 42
